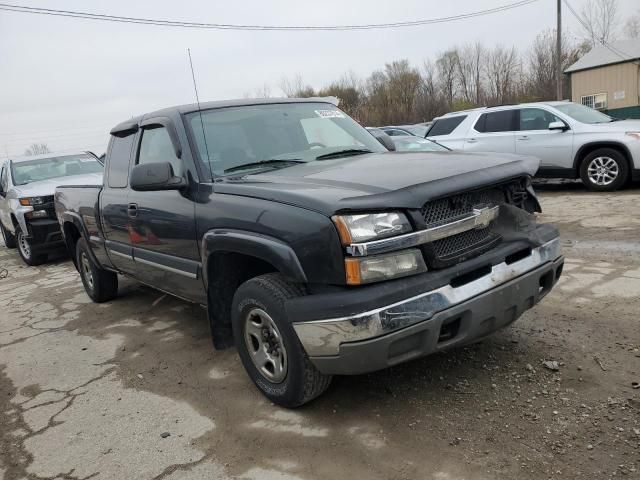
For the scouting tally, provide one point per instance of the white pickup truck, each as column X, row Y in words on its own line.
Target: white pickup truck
column 27, row 186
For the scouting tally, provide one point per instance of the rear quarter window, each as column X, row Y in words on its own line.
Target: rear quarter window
column 502, row 121
column 118, row 161
column 445, row 126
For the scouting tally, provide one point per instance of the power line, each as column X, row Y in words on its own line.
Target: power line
column 609, row 47
column 228, row 26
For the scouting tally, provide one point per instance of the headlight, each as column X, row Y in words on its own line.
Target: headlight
column 30, row 201
column 370, row 226
column 636, row 135
column 36, row 214
column 384, row 267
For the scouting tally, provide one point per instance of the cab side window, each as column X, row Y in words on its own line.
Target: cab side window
column 156, row 147
column 536, row 119
column 502, row 121
column 118, row 161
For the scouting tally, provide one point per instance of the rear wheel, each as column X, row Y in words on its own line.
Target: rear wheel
column 604, row 170
column 101, row 285
column 269, row 347
column 26, row 251
column 8, row 237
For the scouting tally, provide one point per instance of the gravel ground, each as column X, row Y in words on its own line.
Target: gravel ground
column 133, row 388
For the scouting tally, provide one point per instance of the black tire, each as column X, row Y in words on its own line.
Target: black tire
column 101, row 285
column 8, row 237
column 25, row 251
column 302, row 381
column 617, row 163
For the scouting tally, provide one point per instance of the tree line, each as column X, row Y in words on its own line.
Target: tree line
column 467, row 76
column 458, row 78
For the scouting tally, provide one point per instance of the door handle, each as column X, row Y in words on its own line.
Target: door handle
column 132, row 210
column 472, row 140
column 523, row 137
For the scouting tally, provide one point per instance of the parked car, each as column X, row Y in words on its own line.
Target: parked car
column 27, row 185
column 419, row 129
column 571, row 140
column 382, row 137
column 412, row 143
column 315, row 249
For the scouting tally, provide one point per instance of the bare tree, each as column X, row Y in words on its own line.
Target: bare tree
column 540, row 76
column 632, row 26
column 295, row 87
column 430, row 102
column 447, row 64
column 502, row 69
column 37, row 149
column 600, row 21
column 469, row 72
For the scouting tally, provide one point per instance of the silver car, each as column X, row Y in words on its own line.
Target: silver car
column 571, row 140
column 27, row 186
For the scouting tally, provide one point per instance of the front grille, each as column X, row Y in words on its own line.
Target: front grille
column 457, row 248
column 48, row 205
column 446, row 210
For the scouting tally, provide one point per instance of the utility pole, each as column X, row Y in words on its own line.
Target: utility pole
column 559, row 53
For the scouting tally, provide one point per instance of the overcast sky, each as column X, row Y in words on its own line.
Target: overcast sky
column 66, row 82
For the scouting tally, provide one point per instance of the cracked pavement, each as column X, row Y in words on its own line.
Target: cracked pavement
column 91, row 391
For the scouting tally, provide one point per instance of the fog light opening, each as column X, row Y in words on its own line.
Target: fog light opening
column 449, row 330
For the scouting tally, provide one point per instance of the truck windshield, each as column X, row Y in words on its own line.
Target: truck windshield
column 583, row 114
column 28, row 171
column 259, row 135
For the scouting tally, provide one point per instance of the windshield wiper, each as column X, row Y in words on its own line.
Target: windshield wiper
column 343, row 153
column 262, row 163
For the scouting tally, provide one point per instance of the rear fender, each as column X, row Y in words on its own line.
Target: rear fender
column 75, row 219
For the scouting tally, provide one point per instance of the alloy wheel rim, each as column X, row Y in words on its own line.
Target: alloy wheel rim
column 265, row 345
column 25, row 248
column 86, row 270
column 603, row 171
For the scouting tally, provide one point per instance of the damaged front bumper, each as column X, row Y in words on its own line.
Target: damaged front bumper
column 452, row 314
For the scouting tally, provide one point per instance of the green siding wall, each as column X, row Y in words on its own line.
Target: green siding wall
column 626, row 112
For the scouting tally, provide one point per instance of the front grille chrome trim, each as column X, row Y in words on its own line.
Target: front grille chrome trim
column 480, row 218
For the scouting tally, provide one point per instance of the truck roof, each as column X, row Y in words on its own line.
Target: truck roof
column 26, row 158
column 193, row 107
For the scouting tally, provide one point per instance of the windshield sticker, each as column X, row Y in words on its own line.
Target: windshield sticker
column 330, row 113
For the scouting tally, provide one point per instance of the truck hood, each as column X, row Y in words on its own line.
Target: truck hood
column 48, row 187
column 379, row 180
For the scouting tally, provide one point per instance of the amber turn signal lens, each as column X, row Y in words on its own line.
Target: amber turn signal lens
column 352, row 268
column 343, row 230
column 25, row 202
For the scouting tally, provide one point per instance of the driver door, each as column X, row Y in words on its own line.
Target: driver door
column 553, row 147
column 161, row 226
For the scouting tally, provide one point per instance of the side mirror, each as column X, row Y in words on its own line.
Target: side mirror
column 385, row 140
column 155, row 176
column 558, row 126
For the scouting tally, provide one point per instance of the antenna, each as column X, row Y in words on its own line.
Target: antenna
column 204, row 135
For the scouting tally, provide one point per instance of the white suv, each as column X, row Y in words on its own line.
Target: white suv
column 571, row 140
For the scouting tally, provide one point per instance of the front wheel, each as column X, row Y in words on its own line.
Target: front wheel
column 101, row 285
column 604, row 170
column 268, row 346
column 26, row 251
column 8, row 237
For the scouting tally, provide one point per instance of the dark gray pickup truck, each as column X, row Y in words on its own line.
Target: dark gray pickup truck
column 315, row 249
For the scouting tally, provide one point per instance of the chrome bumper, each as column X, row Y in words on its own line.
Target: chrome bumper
column 323, row 337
